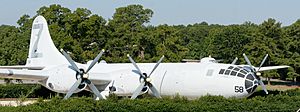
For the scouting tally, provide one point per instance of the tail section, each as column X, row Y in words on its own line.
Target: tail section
column 42, row 51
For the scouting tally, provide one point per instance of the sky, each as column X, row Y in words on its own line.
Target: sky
column 172, row 12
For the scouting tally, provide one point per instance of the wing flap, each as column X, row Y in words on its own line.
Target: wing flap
column 22, row 74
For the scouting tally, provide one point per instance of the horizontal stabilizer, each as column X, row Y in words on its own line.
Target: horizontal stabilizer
column 270, row 68
column 22, row 74
column 22, row 67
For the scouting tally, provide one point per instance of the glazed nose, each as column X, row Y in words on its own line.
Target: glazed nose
column 251, row 82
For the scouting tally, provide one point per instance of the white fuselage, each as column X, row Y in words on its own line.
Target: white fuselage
column 191, row 80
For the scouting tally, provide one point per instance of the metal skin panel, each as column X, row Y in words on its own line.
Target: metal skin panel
column 186, row 79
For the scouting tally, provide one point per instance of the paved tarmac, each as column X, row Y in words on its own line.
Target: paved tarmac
column 22, row 81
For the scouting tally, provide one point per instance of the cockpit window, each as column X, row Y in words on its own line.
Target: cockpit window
column 241, row 75
column 231, row 67
column 244, row 72
column 236, row 69
column 248, row 84
column 249, row 90
column 255, row 86
column 247, row 68
column 221, row 71
column 250, row 77
column 233, row 73
column 227, row 72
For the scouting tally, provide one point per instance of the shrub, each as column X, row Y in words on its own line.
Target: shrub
column 277, row 101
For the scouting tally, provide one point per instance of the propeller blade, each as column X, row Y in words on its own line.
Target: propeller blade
column 265, row 58
column 73, row 88
column 159, row 61
column 95, row 61
column 234, row 61
column 138, row 90
column 70, row 61
column 134, row 64
column 154, row 91
column 112, row 88
column 263, row 86
column 136, row 71
column 113, row 83
column 95, row 90
column 247, row 60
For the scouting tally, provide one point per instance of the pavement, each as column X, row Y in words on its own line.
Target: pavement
column 16, row 101
column 16, row 82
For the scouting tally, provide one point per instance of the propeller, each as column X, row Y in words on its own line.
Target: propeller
column 256, row 71
column 82, row 76
column 146, row 79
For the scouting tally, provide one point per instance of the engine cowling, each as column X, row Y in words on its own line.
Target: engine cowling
column 61, row 80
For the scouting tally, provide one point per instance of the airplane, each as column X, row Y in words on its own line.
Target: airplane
column 56, row 71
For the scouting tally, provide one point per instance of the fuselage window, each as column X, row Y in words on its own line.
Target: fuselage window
column 231, row 67
column 236, row 69
column 241, row 75
column 221, row 71
column 210, row 72
column 227, row 72
column 233, row 73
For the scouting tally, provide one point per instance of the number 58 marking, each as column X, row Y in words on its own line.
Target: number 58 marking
column 238, row 89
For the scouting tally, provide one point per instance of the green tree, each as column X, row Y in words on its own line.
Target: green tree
column 13, row 47
column 169, row 43
column 228, row 42
column 125, row 28
column 193, row 36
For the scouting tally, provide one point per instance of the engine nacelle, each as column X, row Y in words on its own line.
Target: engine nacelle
column 61, row 80
column 144, row 90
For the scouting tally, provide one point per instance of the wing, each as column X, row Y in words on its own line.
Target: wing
column 271, row 68
column 22, row 67
column 23, row 74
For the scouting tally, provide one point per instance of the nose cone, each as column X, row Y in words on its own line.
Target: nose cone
column 251, row 82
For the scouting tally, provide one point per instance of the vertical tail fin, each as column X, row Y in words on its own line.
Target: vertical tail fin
column 42, row 51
